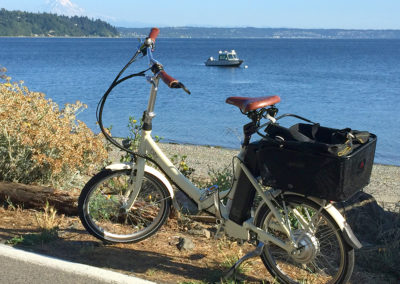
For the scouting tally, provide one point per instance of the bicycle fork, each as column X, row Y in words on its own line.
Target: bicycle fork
column 137, row 174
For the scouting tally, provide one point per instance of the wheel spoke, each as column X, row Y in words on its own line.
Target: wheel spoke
column 104, row 214
column 328, row 262
column 321, row 252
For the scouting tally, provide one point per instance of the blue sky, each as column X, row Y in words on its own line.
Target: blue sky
column 346, row 14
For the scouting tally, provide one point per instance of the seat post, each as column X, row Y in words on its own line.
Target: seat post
column 248, row 130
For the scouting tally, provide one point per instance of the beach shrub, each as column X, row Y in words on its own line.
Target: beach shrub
column 223, row 178
column 133, row 139
column 180, row 163
column 41, row 143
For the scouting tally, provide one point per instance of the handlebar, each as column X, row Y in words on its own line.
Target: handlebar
column 167, row 79
column 156, row 66
column 172, row 82
column 146, row 49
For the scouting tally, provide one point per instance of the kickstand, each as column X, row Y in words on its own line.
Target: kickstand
column 257, row 252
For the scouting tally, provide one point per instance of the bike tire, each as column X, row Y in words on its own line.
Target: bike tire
column 101, row 212
column 325, row 256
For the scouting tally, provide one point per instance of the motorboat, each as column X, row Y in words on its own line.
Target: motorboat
column 225, row 59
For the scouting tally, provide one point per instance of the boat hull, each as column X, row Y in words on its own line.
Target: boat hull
column 224, row 63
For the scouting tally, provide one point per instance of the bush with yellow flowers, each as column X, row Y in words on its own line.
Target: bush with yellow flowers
column 41, row 143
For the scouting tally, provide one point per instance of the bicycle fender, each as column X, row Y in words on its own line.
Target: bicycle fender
column 152, row 171
column 348, row 233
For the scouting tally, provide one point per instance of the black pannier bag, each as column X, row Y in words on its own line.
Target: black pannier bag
column 317, row 161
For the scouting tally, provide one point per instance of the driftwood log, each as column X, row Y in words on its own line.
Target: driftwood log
column 34, row 196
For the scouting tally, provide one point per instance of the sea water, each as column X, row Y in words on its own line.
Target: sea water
column 337, row 83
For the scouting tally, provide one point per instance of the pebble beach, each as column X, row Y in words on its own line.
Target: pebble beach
column 384, row 184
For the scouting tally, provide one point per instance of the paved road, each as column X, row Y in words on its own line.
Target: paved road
column 18, row 266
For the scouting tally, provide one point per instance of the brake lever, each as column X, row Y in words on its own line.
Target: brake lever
column 184, row 88
column 177, row 85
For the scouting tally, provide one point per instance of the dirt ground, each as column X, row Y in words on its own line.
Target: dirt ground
column 157, row 258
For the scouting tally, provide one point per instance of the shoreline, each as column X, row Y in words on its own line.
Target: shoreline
column 384, row 183
column 236, row 149
column 56, row 37
column 209, row 38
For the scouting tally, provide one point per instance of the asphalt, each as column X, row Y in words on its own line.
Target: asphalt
column 18, row 266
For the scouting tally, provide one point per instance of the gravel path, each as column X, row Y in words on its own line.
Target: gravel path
column 384, row 185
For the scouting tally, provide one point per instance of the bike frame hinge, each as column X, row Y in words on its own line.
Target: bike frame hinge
column 147, row 118
column 208, row 192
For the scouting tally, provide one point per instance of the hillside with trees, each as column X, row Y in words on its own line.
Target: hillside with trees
column 18, row 23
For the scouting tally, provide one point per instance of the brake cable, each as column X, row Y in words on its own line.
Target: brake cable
column 102, row 101
column 171, row 82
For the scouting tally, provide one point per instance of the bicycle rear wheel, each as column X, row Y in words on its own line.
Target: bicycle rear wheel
column 322, row 255
column 102, row 212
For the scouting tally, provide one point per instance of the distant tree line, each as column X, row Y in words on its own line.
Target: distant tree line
column 250, row 32
column 18, row 23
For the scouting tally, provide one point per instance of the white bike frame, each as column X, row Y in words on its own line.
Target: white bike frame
column 203, row 197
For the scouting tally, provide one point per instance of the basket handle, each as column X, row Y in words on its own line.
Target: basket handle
column 296, row 116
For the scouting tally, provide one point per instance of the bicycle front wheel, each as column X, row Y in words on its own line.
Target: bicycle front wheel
column 102, row 207
column 322, row 255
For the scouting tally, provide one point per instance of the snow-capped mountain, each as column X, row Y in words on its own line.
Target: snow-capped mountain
column 64, row 7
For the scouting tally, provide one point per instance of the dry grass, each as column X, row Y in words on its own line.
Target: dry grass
column 48, row 219
column 41, row 143
column 157, row 258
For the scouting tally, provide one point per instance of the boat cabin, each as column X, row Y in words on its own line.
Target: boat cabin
column 227, row 55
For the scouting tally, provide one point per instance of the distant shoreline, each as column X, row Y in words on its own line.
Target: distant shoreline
column 243, row 33
column 56, row 37
column 189, row 38
column 48, row 25
column 266, row 33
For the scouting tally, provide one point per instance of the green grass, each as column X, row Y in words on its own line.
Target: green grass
column 44, row 236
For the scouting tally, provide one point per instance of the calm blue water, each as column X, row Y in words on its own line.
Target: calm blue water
column 339, row 83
